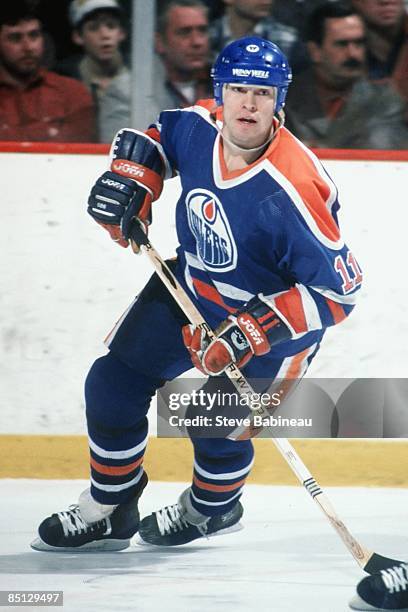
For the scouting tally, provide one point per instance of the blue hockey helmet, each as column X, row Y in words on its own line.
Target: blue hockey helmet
column 252, row 61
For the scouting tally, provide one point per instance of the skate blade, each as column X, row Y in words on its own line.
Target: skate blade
column 96, row 546
column 237, row 527
column 360, row 605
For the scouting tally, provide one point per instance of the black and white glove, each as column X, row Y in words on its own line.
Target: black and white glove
column 127, row 190
column 115, row 201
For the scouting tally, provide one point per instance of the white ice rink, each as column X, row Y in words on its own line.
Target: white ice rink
column 287, row 558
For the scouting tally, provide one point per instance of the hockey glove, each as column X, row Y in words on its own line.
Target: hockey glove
column 128, row 189
column 114, row 201
column 253, row 330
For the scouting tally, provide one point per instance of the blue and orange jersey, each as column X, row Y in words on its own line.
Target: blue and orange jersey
column 270, row 228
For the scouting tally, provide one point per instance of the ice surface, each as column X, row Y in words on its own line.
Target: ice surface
column 287, row 558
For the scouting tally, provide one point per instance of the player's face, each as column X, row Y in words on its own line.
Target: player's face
column 340, row 58
column 385, row 13
column 185, row 44
column 100, row 36
column 248, row 114
column 22, row 47
column 252, row 9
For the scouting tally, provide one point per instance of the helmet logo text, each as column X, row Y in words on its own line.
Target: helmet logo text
column 247, row 72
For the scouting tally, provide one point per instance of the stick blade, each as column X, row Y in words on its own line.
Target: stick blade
column 376, row 563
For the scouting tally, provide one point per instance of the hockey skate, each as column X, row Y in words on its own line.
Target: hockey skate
column 90, row 526
column 181, row 523
column 387, row 590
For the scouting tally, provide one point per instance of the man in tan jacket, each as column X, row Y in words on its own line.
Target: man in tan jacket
column 333, row 104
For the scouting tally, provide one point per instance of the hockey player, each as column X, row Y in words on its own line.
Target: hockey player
column 260, row 255
column 387, row 590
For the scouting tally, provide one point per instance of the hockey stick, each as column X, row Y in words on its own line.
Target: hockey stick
column 368, row 560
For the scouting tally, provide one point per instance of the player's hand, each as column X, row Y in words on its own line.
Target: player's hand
column 250, row 331
column 115, row 201
column 212, row 357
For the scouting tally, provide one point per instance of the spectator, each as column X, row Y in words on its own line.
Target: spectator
column 250, row 17
column 332, row 104
column 98, row 30
column 181, row 67
column 387, row 41
column 36, row 104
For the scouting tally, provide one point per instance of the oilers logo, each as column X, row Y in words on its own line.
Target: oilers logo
column 207, row 220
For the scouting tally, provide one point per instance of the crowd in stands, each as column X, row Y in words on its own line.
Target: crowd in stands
column 65, row 73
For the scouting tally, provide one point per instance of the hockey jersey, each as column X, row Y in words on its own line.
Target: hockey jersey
column 268, row 229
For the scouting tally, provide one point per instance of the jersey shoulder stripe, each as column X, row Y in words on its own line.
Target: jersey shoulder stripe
column 305, row 181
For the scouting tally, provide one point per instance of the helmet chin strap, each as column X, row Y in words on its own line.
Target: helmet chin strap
column 281, row 119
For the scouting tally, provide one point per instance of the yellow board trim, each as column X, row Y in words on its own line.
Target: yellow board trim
column 332, row 462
